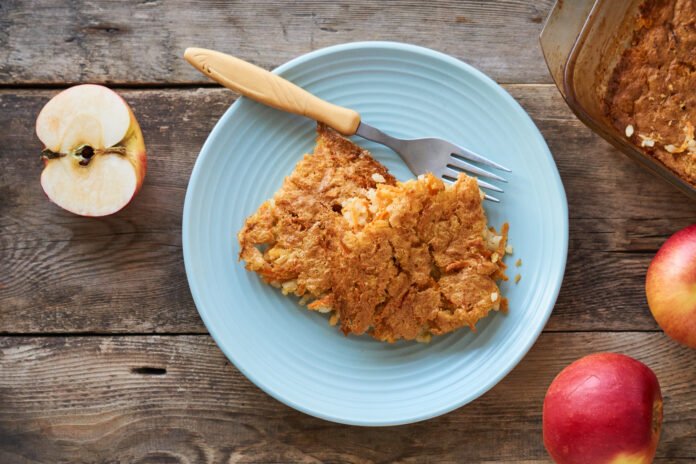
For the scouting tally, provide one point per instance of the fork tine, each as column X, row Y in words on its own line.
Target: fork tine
column 484, row 184
column 453, row 173
column 471, row 156
column 466, row 167
column 490, row 198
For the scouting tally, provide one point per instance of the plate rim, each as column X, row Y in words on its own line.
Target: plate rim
column 512, row 361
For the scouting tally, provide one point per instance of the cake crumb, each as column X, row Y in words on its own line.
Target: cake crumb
column 379, row 178
column 518, row 263
column 517, row 278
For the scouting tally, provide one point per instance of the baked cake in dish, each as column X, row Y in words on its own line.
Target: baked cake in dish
column 651, row 96
column 393, row 260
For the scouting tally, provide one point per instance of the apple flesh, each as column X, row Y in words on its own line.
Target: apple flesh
column 94, row 160
column 670, row 286
column 603, row 408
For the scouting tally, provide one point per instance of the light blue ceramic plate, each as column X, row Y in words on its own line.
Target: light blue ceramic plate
column 293, row 354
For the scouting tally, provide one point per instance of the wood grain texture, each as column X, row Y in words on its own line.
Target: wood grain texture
column 86, row 399
column 142, row 41
column 145, row 398
column 124, row 273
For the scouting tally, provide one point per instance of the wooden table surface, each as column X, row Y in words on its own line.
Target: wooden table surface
column 103, row 357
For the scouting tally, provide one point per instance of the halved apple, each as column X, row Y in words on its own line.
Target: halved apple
column 94, row 160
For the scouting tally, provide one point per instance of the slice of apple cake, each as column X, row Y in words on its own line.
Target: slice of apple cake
column 395, row 260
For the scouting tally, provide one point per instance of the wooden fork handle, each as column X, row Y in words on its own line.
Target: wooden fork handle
column 272, row 90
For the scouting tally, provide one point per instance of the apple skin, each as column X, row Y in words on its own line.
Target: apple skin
column 135, row 148
column 670, row 286
column 603, row 408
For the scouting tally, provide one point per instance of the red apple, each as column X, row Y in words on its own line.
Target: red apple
column 94, row 160
column 670, row 286
column 603, row 408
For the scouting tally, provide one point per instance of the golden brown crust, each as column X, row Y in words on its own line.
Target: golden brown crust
column 653, row 87
column 299, row 225
column 395, row 260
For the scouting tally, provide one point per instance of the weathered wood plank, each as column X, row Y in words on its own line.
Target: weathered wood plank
column 86, row 399
column 140, row 42
column 62, row 273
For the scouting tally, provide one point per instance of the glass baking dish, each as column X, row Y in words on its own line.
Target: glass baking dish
column 582, row 41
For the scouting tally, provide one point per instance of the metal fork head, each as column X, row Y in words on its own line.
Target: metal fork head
column 444, row 159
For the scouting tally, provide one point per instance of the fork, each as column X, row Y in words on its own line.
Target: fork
column 444, row 159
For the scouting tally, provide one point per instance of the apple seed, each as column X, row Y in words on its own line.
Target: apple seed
column 84, row 153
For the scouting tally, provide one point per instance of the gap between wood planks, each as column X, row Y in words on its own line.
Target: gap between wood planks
column 207, row 334
column 114, row 86
column 179, row 85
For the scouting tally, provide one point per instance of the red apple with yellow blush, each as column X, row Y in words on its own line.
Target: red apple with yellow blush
column 670, row 286
column 605, row 408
